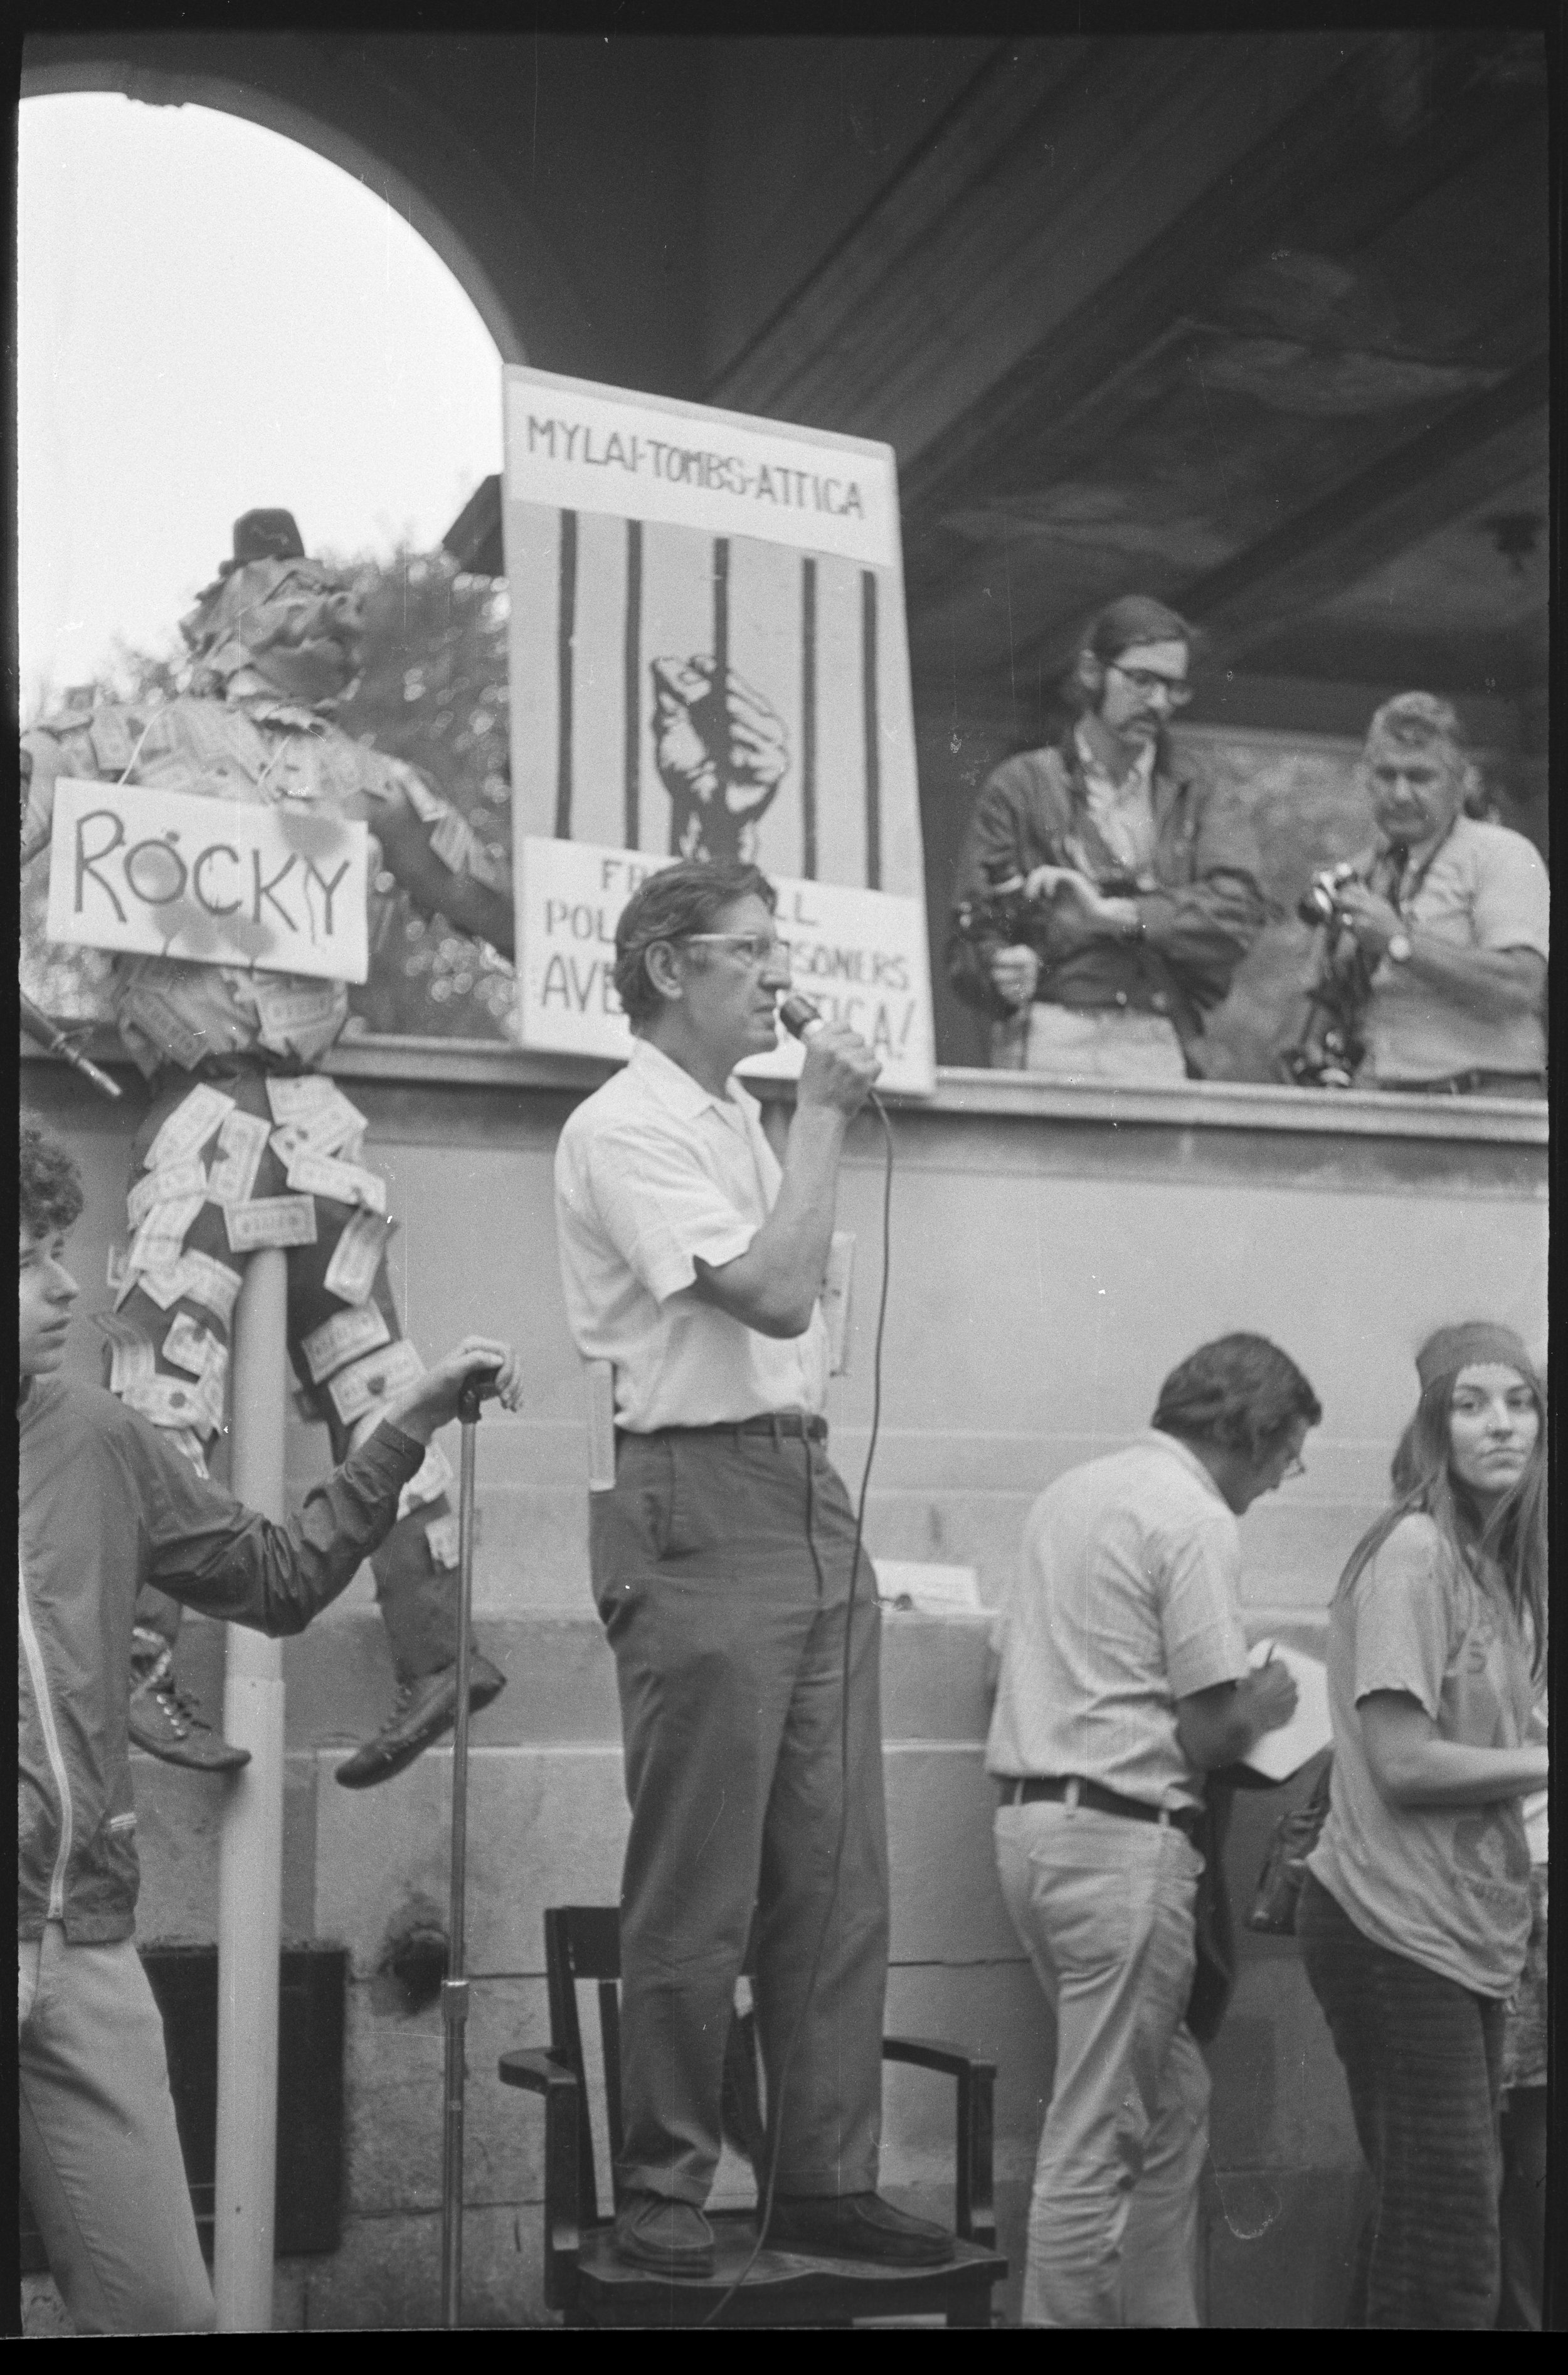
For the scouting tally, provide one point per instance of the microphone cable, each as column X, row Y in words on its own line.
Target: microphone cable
column 775, row 2111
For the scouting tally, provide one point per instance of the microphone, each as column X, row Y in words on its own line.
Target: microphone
column 798, row 1016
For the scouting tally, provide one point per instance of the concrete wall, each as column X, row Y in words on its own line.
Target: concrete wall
column 1050, row 1265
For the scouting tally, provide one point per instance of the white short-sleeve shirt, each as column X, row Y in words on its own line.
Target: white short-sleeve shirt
column 1128, row 1601
column 1485, row 889
column 652, row 1171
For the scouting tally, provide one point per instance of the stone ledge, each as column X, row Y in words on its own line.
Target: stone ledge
column 963, row 1088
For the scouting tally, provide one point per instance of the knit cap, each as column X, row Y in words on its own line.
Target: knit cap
column 1472, row 1342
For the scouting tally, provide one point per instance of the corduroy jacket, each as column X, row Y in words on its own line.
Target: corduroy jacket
column 1200, row 913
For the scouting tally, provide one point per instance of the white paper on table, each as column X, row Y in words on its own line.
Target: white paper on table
column 1278, row 1755
column 930, row 1591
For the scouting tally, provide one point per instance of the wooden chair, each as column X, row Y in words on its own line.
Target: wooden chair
column 590, row 2285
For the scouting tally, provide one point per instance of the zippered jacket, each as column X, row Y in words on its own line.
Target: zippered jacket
column 1201, row 909
column 107, row 1504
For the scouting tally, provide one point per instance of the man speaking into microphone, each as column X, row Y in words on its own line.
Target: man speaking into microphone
column 722, row 1567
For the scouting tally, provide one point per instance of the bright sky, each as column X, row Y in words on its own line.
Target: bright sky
column 211, row 318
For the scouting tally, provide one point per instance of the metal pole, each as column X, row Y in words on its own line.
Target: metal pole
column 251, row 1868
column 455, row 1987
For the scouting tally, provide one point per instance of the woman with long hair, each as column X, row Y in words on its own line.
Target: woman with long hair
column 1416, row 1912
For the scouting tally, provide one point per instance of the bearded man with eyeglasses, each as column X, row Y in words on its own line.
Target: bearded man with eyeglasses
column 1106, row 894
column 723, row 1557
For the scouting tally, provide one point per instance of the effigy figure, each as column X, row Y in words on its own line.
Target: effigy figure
column 246, row 1142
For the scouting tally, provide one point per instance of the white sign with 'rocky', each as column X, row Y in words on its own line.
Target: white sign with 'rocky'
column 278, row 888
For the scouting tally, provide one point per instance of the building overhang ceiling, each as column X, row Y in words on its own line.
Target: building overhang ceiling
column 1255, row 322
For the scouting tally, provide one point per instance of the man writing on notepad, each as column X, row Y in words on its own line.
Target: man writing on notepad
column 1124, row 1681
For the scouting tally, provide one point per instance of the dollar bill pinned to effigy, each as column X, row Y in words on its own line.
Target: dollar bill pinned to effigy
column 356, row 1257
column 270, row 1221
column 358, row 1389
column 428, row 1482
column 153, row 1012
column 294, row 1098
column 189, row 1345
column 162, row 1236
column 209, row 1392
column 242, row 1143
column 344, row 1337
column 163, row 1287
column 211, row 1283
column 301, row 1022
column 131, row 1357
column 169, row 1186
column 187, row 1129
column 325, row 1128
column 171, row 1401
column 341, row 1183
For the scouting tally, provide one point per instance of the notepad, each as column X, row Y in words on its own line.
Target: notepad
column 930, row 1591
column 1278, row 1755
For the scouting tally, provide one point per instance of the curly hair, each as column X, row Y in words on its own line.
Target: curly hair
column 52, row 1196
column 1241, row 1392
column 676, row 901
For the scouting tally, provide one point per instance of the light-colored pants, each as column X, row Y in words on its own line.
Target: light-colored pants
column 1103, row 1906
column 100, row 2159
column 1092, row 1042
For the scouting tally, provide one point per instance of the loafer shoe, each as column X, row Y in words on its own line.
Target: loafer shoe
column 162, row 1721
column 857, row 2227
column 426, row 1708
column 653, row 2231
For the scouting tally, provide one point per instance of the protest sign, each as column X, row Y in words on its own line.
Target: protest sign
column 281, row 889
column 859, row 956
column 708, row 654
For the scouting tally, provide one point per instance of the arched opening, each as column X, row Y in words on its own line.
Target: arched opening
column 216, row 314
column 213, row 312
column 253, row 103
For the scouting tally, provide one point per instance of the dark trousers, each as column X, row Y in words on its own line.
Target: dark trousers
column 721, row 1567
column 417, row 1597
column 1423, row 2058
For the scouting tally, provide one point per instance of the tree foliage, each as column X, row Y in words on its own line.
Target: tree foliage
column 434, row 691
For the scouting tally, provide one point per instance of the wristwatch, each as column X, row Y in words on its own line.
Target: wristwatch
column 1399, row 948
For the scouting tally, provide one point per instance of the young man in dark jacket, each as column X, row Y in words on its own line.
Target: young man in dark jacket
column 107, row 1504
column 1128, row 888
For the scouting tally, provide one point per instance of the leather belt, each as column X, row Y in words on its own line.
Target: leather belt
column 1076, row 1788
column 774, row 1422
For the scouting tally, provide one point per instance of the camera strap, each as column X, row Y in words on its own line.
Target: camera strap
column 1402, row 892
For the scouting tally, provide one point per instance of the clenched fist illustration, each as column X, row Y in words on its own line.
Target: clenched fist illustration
column 721, row 755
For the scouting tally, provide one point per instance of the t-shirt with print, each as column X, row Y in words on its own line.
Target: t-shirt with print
column 1446, row 1887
